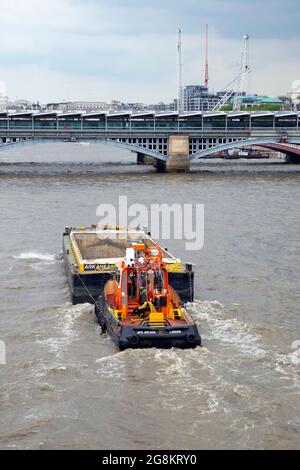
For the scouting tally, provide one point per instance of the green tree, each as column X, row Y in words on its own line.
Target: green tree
column 259, row 107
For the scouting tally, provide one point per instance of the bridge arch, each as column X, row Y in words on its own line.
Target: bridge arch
column 135, row 148
column 233, row 145
column 103, row 140
column 290, row 146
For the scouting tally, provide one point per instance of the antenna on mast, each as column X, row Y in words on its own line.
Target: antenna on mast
column 206, row 77
column 179, row 48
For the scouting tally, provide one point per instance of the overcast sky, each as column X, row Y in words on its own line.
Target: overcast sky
column 126, row 49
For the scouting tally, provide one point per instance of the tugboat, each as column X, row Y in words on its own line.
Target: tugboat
column 139, row 309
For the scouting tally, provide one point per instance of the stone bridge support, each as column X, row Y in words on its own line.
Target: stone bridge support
column 292, row 159
column 144, row 159
column 178, row 154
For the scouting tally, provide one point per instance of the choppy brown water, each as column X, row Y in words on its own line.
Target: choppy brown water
column 65, row 386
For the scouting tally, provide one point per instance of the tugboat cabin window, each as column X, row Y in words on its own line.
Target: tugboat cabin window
column 118, row 277
column 158, row 280
column 132, row 285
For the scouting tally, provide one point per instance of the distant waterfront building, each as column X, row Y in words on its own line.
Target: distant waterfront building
column 90, row 106
column 87, row 106
column 115, row 105
column 295, row 94
column 287, row 102
column 3, row 97
column 133, row 106
column 57, row 106
column 195, row 98
column 18, row 105
column 78, row 106
column 36, row 106
column 120, row 106
column 161, row 106
column 22, row 103
column 198, row 98
column 248, row 101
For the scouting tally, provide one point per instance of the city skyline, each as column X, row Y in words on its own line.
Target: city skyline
column 100, row 50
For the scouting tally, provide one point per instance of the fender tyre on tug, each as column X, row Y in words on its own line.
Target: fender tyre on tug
column 133, row 340
column 99, row 311
column 190, row 338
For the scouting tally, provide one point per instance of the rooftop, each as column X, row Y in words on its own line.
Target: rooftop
column 142, row 115
column 260, row 99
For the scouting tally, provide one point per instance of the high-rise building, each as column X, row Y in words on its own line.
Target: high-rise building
column 295, row 94
column 198, row 98
column 3, row 97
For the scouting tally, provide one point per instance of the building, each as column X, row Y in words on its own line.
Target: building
column 133, row 106
column 18, row 105
column 198, row 98
column 78, row 106
column 87, row 106
column 3, row 97
column 162, row 107
column 249, row 101
column 287, row 102
column 295, row 94
column 57, row 106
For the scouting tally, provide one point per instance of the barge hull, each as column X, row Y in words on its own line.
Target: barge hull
column 86, row 287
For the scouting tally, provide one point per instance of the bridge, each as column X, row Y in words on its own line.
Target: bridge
column 171, row 140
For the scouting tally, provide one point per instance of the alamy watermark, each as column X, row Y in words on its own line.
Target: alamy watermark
column 2, row 353
column 164, row 221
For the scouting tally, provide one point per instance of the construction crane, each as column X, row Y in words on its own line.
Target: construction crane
column 206, row 76
column 234, row 88
column 179, row 49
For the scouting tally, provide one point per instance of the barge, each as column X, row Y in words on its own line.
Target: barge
column 91, row 255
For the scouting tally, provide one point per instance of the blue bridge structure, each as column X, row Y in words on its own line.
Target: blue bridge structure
column 171, row 140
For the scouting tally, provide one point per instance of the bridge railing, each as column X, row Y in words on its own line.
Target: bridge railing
column 139, row 130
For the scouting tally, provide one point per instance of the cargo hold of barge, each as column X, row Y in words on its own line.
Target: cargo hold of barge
column 91, row 255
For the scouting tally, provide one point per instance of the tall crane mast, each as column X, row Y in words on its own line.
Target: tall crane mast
column 206, row 76
column 234, row 88
column 179, row 49
column 241, row 72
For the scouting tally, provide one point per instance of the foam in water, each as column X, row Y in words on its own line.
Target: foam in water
column 66, row 332
column 228, row 330
column 112, row 367
column 108, row 358
column 71, row 313
column 36, row 256
column 67, row 318
column 288, row 366
column 238, row 335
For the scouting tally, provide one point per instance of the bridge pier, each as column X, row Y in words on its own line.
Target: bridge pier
column 178, row 154
column 142, row 159
column 292, row 159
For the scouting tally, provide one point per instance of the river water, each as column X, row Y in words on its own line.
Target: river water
column 66, row 386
